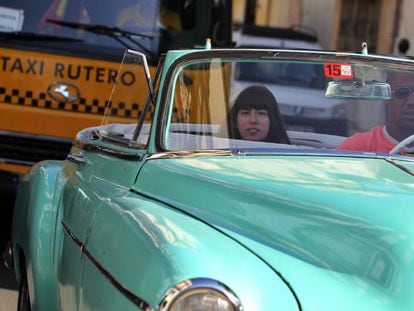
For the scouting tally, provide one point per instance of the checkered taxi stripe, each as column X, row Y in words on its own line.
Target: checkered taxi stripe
column 40, row 100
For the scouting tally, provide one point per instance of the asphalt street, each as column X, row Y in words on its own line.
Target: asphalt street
column 8, row 286
column 8, row 290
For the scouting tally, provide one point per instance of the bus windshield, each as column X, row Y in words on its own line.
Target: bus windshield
column 152, row 26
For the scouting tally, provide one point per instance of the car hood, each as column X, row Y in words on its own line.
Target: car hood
column 336, row 228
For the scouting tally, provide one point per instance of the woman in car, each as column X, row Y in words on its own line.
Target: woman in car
column 255, row 116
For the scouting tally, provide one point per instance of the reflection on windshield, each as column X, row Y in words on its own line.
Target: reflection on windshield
column 293, row 74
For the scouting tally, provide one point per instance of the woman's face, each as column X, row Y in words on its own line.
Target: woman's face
column 253, row 124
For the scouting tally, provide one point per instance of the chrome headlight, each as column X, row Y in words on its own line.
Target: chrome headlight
column 200, row 294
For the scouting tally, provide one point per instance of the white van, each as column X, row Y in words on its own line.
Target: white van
column 274, row 38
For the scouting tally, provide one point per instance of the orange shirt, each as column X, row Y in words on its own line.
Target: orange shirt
column 375, row 140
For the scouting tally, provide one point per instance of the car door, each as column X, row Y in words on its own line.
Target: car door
column 96, row 178
column 103, row 163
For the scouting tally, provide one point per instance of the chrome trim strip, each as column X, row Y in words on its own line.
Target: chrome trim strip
column 188, row 154
column 198, row 283
column 16, row 162
column 76, row 158
column 278, row 152
column 139, row 302
column 401, row 167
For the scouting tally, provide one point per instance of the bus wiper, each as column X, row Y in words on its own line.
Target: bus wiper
column 114, row 32
column 31, row 36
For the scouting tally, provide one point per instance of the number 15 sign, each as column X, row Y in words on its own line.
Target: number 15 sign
column 337, row 70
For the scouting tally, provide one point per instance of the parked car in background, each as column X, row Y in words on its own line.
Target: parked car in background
column 181, row 212
column 245, row 35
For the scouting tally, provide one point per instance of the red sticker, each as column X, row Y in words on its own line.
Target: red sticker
column 336, row 70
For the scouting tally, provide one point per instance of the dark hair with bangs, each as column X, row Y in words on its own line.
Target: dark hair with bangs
column 259, row 97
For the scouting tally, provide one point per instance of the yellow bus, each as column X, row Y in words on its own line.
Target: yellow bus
column 59, row 60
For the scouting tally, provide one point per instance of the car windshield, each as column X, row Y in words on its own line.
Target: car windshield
column 293, row 101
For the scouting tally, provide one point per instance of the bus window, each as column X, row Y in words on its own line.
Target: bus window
column 155, row 26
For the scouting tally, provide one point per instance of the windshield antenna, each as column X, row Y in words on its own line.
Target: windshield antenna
column 207, row 46
column 364, row 47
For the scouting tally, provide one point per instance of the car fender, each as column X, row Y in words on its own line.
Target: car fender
column 169, row 247
column 34, row 225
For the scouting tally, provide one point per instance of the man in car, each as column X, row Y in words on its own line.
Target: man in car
column 399, row 123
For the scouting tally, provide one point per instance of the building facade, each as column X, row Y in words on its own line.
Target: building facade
column 339, row 24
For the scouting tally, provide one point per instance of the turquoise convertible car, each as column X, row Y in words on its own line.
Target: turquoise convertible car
column 223, row 196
